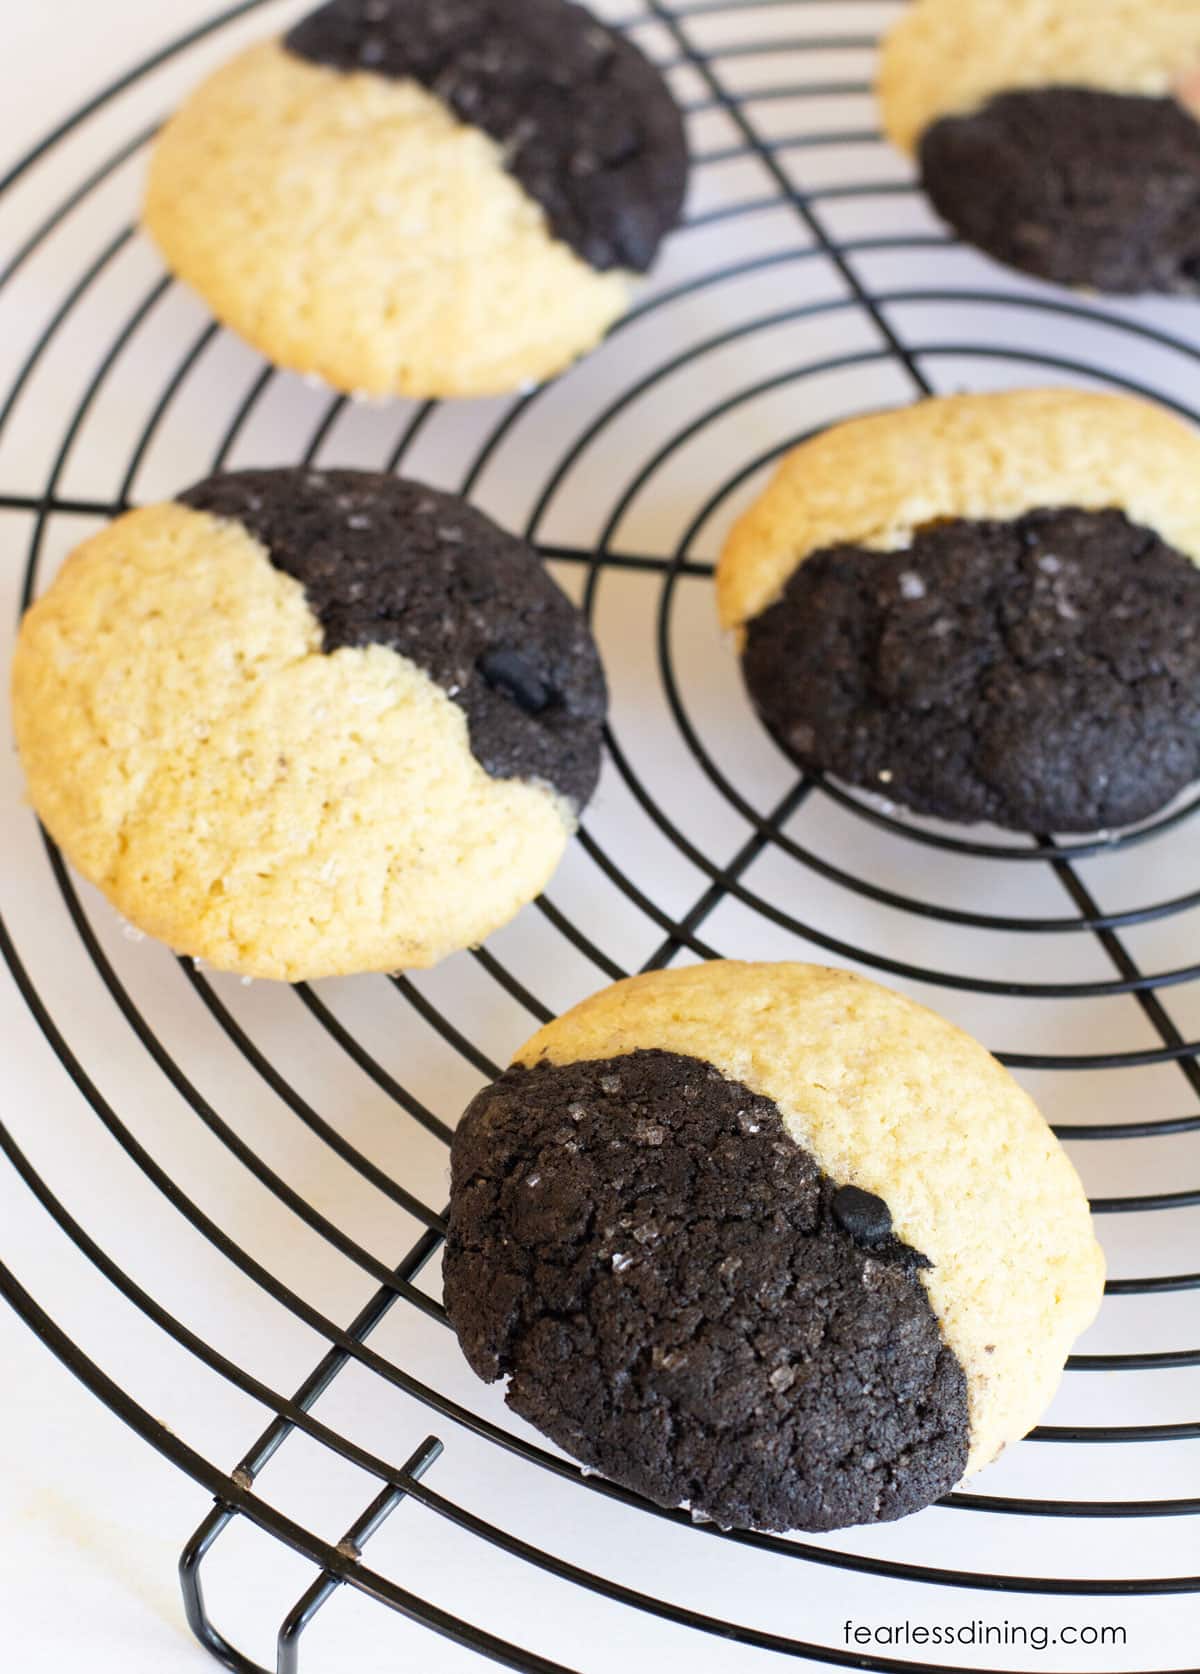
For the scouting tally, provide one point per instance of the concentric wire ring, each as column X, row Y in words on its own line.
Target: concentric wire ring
column 768, row 829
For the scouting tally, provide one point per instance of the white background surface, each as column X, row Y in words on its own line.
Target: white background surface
column 91, row 1520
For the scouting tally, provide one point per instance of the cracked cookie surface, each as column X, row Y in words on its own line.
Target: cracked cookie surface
column 1075, row 185
column 1042, row 674
column 669, row 1282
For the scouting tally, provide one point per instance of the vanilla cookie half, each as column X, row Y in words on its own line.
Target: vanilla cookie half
column 422, row 197
column 302, row 723
column 769, row 1241
column 986, row 607
column 1061, row 136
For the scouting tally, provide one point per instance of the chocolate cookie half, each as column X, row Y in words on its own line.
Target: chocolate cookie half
column 1042, row 674
column 1062, row 139
column 1004, row 626
column 423, row 197
column 681, row 1298
column 1074, row 185
column 300, row 723
column 689, row 1225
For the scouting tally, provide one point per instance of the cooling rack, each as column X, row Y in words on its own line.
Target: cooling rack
column 245, row 1184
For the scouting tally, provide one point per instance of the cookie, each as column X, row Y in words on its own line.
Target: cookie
column 1060, row 137
column 422, row 197
column 302, row 723
column 768, row 1241
column 986, row 607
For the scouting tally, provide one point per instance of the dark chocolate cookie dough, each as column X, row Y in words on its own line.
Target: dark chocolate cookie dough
column 588, row 126
column 1079, row 186
column 389, row 562
column 682, row 1299
column 1043, row 674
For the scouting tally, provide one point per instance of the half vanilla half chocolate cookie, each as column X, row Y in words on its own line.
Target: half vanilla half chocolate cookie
column 984, row 607
column 1061, row 136
column 304, row 723
column 422, row 197
column 769, row 1242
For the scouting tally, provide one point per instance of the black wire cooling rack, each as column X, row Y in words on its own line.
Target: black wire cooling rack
column 808, row 281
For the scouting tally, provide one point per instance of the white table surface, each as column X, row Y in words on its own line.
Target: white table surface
column 92, row 1520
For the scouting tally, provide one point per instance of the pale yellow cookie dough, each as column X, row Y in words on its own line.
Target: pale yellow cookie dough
column 889, row 1097
column 873, row 481
column 242, row 795
column 949, row 57
column 349, row 226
